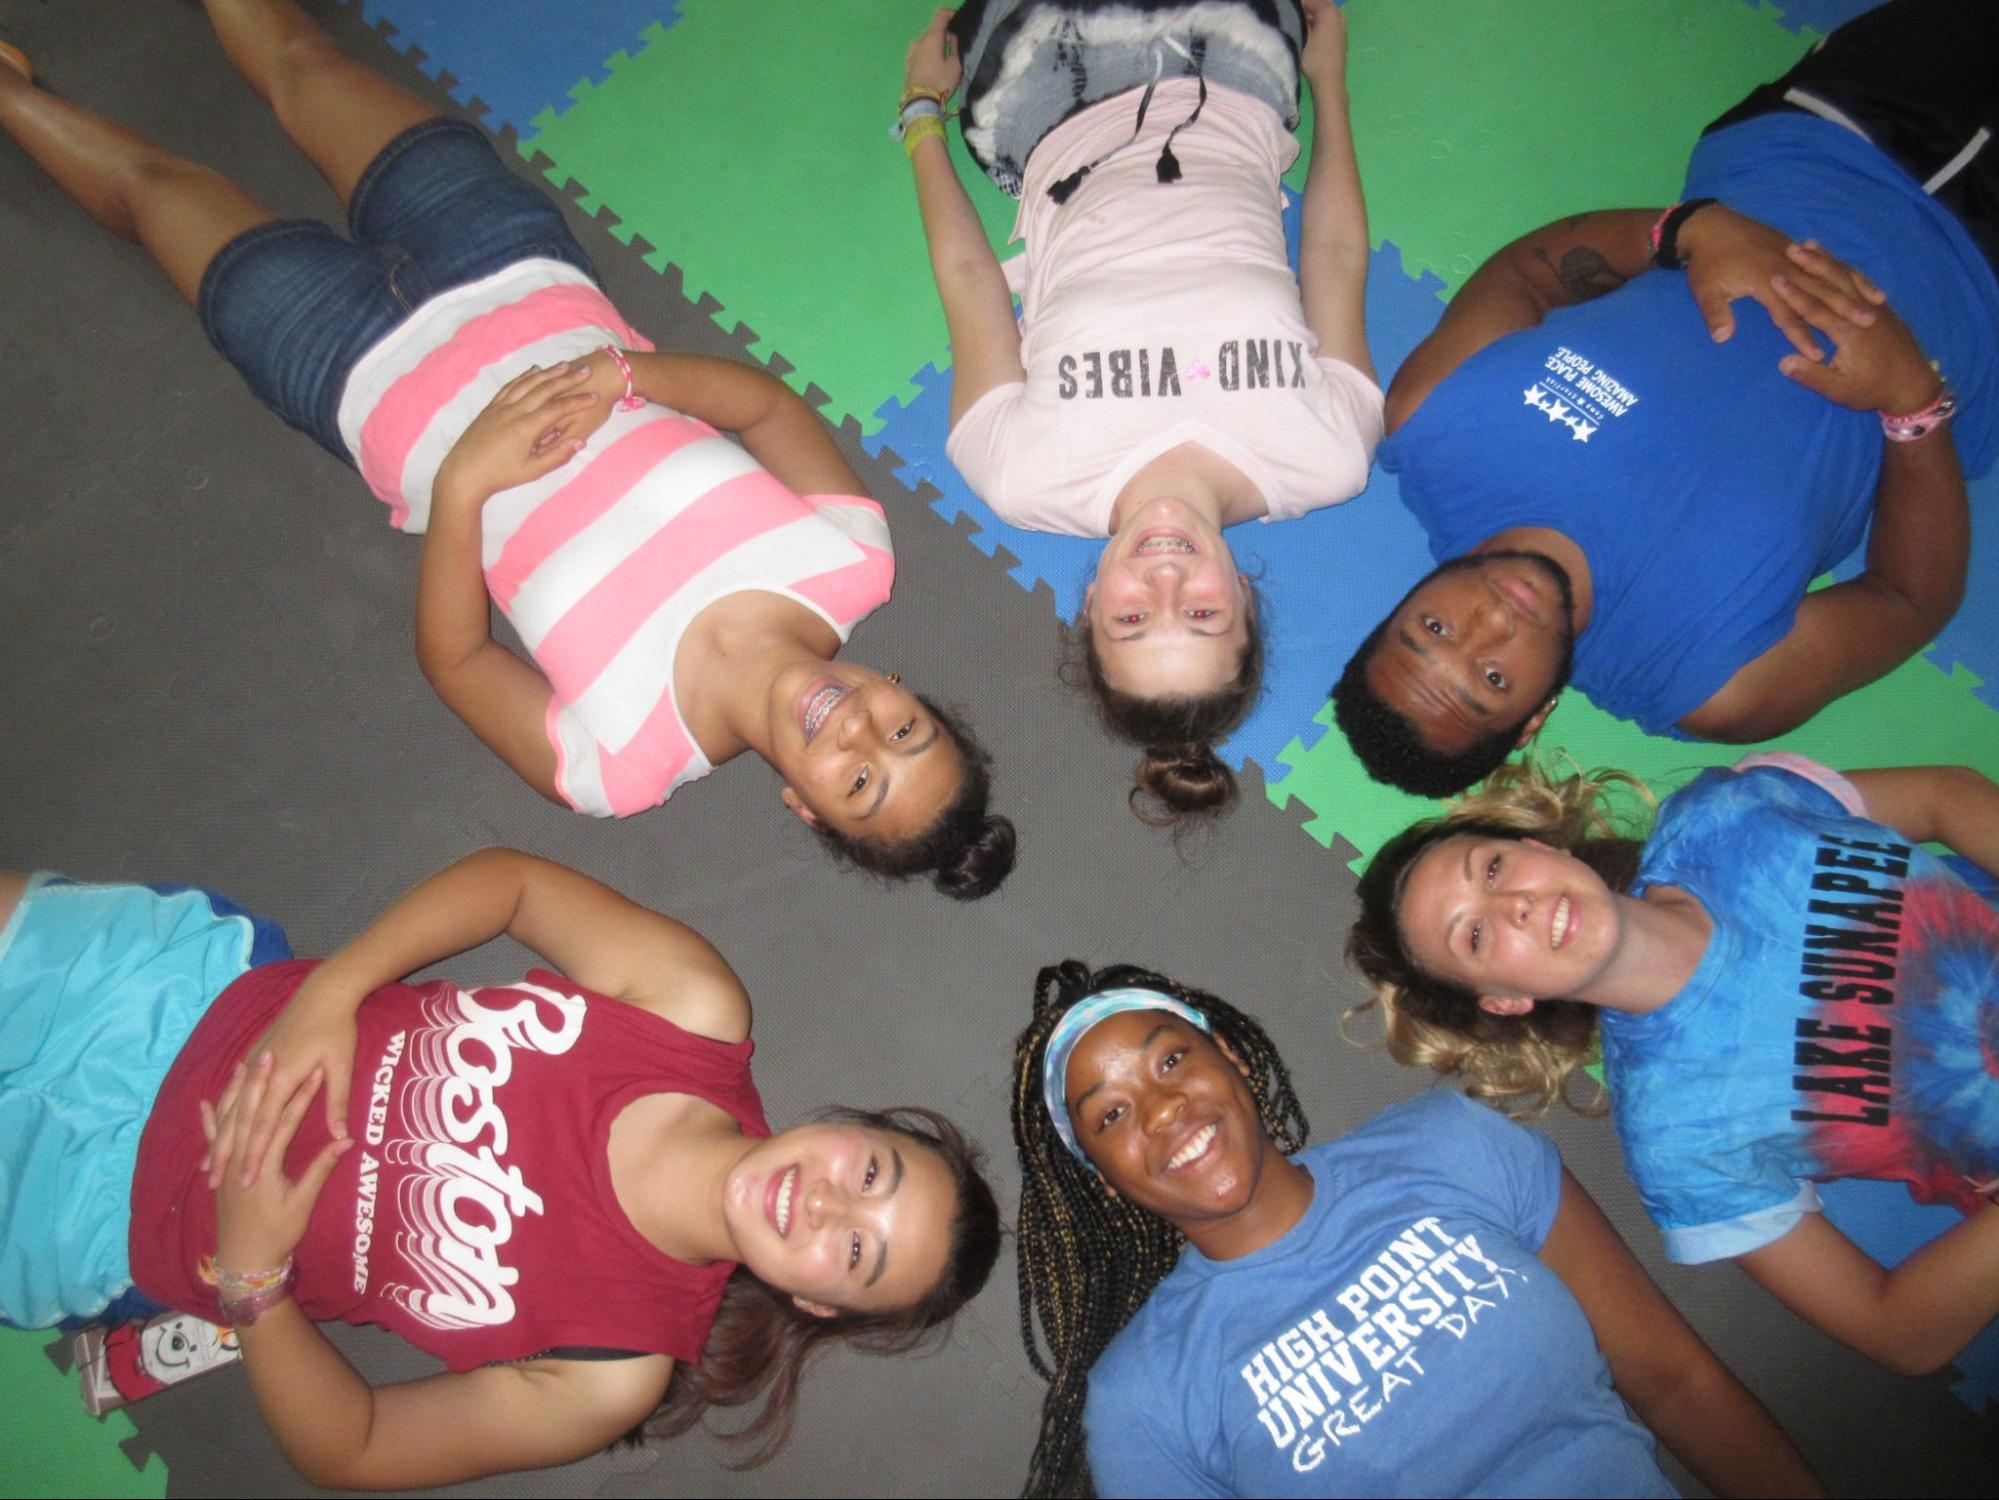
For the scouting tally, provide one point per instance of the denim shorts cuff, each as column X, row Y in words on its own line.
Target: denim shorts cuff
column 386, row 158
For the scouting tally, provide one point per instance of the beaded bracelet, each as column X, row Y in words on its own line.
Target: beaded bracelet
column 1666, row 233
column 629, row 401
column 919, row 131
column 911, row 95
column 241, row 1312
column 1920, row 424
column 246, row 1296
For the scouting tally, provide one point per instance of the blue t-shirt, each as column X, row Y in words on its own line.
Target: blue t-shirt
column 1832, row 1028
column 1705, row 488
column 1401, row 1339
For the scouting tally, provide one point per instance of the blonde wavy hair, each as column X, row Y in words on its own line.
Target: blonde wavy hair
column 1521, row 1063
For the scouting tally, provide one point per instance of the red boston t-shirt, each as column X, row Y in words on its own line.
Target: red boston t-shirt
column 474, row 1215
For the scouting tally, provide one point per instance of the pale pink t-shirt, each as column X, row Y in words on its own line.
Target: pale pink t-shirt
column 1160, row 314
column 602, row 564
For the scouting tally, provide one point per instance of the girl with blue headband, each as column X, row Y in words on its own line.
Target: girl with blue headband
column 1414, row 1308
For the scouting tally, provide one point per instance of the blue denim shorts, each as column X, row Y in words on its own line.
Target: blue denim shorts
column 293, row 306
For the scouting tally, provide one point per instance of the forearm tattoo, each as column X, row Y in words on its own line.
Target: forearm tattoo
column 1583, row 273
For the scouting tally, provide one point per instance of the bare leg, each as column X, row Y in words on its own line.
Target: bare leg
column 181, row 213
column 339, row 112
column 11, row 887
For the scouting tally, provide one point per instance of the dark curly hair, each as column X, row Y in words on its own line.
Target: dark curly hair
column 1089, row 1260
column 966, row 851
column 1180, row 777
column 1387, row 742
column 761, row 1341
column 1391, row 749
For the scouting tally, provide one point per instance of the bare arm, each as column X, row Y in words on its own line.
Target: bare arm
column 776, row 426
column 501, row 698
column 1950, row 805
column 583, row 928
column 340, row 1432
column 333, row 1426
column 978, row 307
column 1558, row 265
column 1672, row 1379
column 533, row 426
column 1912, row 1318
column 1332, row 242
column 1918, row 549
column 1727, row 256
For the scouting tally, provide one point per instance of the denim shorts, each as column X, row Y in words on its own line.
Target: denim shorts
column 293, row 306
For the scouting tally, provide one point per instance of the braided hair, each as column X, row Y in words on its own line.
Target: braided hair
column 1087, row 1260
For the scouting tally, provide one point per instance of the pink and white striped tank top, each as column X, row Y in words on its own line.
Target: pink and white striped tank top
column 603, row 564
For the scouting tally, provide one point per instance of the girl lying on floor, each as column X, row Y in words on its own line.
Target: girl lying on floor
column 683, row 599
column 1788, row 989
column 1415, row 1308
column 1170, row 375
column 563, row 1187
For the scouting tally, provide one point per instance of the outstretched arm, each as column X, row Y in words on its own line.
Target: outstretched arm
column 1673, row 1381
column 335, row 1428
column 1950, row 805
column 581, row 926
column 1912, row 1318
column 978, row 307
column 1333, row 243
column 1918, row 549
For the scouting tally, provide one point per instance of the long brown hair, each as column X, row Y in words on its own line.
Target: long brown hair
column 1522, row 1063
column 762, row 1341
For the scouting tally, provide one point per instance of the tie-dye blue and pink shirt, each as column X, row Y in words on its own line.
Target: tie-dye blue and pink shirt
column 1844, row 1021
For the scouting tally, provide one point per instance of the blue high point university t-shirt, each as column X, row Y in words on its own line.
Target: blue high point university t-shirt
column 1401, row 1339
column 1705, row 488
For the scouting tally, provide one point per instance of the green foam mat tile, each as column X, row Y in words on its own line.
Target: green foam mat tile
column 1461, row 149
column 724, row 146
column 55, row 1447
column 1917, row 715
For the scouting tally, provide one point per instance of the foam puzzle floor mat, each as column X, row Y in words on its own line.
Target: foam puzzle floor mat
column 727, row 165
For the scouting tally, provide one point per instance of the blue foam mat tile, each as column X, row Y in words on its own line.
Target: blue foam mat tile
column 1972, row 637
column 518, row 57
column 1821, row 16
column 1326, row 579
column 1882, row 1219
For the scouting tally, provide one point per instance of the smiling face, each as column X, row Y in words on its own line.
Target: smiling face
column 1169, row 614
column 1510, row 920
column 1479, row 646
column 843, row 1216
column 1168, row 1120
column 859, row 754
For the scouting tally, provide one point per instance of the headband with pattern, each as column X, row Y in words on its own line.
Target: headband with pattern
column 1075, row 1023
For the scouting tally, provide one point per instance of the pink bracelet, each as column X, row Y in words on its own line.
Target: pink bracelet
column 1920, row 424
column 245, row 1296
column 628, row 401
column 244, row 1311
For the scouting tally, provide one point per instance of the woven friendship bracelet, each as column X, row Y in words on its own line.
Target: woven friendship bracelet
column 919, row 131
